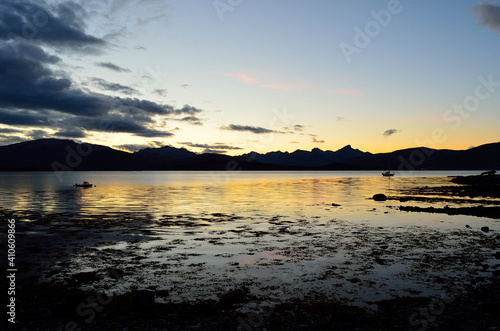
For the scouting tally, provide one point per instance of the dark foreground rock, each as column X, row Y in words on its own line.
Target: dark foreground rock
column 480, row 211
column 54, row 307
column 380, row 197
column 486, row 179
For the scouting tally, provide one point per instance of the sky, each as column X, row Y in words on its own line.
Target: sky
column 234, row 76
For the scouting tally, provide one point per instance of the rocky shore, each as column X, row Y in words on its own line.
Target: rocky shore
column 53, row 307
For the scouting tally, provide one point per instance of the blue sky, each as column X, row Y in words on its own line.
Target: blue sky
column 238, row 75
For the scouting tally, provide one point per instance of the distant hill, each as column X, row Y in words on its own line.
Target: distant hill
column 161, row 158
column 57, row 154
column 479, row 158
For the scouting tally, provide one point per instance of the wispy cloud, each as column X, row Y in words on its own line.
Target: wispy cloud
column 318, row 141
column 115, row 87
column 193, row 120
column 348, row 92
column 214, row 145
column 390, row 132
column 216, row 148
column 248, row 128
column 111, row 66
column 488, row 15
column 240, row 77
column 160, row 92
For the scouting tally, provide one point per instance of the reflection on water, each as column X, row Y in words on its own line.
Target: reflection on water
column 158, row 193
column 197, row 234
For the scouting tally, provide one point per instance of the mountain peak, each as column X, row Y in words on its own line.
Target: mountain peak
column 346, row 147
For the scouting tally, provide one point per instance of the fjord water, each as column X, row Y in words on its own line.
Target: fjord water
column 192, row 192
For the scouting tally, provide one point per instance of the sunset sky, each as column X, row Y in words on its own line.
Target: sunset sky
column 232, row 76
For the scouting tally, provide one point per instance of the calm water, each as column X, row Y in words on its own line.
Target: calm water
column 158, row 193
column 275, row 232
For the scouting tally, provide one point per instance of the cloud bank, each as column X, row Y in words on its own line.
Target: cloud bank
column 35, row 92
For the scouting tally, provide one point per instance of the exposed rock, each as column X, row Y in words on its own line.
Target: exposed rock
column 485, row 229
column 144, row 298
column 233, row 296
column 116, row 273
column 85, row 277
column 380, row 197
column 335, row 205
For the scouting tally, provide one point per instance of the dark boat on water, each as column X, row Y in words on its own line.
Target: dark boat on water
column 85, row 184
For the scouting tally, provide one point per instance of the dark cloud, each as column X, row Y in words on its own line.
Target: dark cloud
column 248, row 128
column 218, row 146
column 9, row 140
column 9, row 131
column 191, row 120
column 318, row 141
column 488, row 15
column 187, row 110
column 32, row 94
column 37, row 134
column 115, row 87
column 75, row 133
column 53, row 24
column 390, row 132
column 111, row 66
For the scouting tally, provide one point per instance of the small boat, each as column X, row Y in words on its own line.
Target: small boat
column 85, row 184
column 388, row 174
